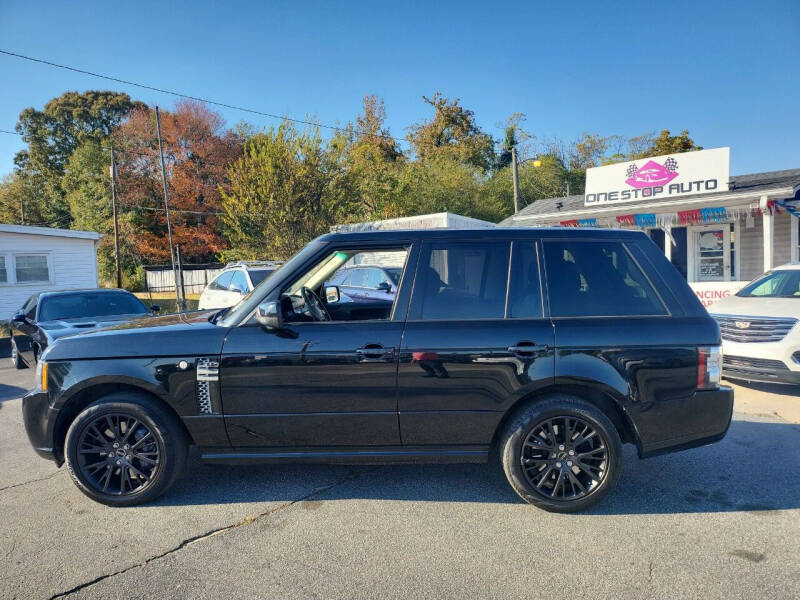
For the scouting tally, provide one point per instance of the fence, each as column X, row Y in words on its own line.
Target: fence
column 195, row 278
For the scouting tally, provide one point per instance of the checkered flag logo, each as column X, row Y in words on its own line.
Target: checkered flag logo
column 671, row 165
column 632, row 170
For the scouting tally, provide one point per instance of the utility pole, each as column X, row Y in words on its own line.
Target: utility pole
column 166, row 207
column 116, row 223
column 180, row 274
column 22, row 211
column 515, row 178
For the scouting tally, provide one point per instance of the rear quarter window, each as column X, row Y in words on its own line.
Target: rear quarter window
column 597, row 279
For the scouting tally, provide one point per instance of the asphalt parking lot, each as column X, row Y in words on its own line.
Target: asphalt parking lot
column 715, row 522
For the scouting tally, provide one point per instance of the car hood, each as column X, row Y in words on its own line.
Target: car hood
column 61, row 327
column 757, row 307
column 183, row 334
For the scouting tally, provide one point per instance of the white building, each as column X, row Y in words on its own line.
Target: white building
column 720, row 231
column 39, row 259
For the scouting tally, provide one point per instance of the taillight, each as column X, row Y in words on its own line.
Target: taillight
column 709, row 362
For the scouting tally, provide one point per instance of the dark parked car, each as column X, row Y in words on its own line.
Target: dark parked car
column 552, row 346
column 47, row 316
column 368, row 283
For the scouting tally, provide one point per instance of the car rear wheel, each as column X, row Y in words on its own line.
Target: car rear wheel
column 125, row 449
column 16, row 359
column 561, row 454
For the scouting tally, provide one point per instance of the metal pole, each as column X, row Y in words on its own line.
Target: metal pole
column 166, row 206
column 116, row 223
column 180, row 275
column 21, row 211
column 515, row 178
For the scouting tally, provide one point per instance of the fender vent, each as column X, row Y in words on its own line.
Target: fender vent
column 207, row 371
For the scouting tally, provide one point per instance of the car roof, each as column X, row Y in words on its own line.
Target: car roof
column 81, row 290
column 488, row 233
column 788, row 267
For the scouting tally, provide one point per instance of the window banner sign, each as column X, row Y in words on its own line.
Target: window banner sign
column 571, row 223
column 587, row 222
column 690, row 217
column 659, row 177
column 714, row 215
column 626, row 220
column 645, row 220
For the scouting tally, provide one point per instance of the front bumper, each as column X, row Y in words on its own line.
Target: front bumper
column 40, row 418
column 758, row 370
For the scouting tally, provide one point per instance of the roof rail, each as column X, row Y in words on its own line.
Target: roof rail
column 254, row 263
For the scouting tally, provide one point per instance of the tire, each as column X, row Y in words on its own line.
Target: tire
column 16, row 359
column 546, row 435
column 152, row 460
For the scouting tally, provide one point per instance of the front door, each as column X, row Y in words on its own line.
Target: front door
column 712, row 253
column 315, row 383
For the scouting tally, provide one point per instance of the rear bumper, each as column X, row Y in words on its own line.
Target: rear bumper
column 39, row 418
column 708, row 422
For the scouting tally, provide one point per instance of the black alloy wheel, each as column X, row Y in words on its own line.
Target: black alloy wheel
column 564, row 458
column 561, row 453
column 118, row 454
column 125, row 449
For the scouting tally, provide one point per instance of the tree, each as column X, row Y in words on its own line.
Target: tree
column 666, row 143
column 54, row 133
column 513, row 136
column 452, row 132
column 21, row 201
column 197, row 151
column 374, row 163
column 287, row 188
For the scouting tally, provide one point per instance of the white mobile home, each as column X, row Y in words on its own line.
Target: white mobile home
column 38, row 259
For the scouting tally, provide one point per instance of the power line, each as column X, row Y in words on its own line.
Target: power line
column 9, row 132
column 187, row 96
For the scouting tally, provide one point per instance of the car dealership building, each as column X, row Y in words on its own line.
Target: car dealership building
column 719, row 231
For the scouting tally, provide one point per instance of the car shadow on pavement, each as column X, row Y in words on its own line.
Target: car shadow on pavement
column 750, row 470
column 11, row 392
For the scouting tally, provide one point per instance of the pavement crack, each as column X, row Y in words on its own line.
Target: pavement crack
column 16, row 485
column 214, row 532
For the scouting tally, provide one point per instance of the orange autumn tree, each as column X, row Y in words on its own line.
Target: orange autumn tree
column 197, row 150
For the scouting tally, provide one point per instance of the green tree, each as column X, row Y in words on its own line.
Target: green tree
column 665, row 143
column 21, row 201
column 286, row 189
column 454, row 133
column 54, row 133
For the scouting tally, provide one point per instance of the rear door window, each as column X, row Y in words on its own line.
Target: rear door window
column 597, row 279
column 222, row 282
column 462, row 281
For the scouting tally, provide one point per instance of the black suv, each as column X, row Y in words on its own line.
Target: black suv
column 551, row 346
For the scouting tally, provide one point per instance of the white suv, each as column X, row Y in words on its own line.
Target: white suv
column 759, row 327
column 236, row 281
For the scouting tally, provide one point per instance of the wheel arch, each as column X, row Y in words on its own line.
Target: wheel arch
column 83, row 398
column 611, row 407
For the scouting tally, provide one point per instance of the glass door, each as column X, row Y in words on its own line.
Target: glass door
column 712, row 253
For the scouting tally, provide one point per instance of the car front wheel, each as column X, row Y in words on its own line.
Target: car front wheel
column 561, row 454
column 125, row 449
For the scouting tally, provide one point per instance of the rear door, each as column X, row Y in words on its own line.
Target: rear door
column 472, row 345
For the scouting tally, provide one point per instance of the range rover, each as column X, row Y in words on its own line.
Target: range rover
column 546, row 348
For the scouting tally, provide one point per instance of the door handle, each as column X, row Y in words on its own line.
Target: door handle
column 524, row 348
column 374, row 352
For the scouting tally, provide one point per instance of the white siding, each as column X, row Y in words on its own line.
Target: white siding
column 73, row 265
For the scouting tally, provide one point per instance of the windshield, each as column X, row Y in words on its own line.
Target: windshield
column 394, row 273
column 89, row 305
column 775, row 284
column 248, row 303
column 259, row 275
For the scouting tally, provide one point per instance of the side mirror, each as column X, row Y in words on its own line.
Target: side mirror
column 154, row 308
column 332, row 295
column 19, row 317
column 384, row 286
column 269, row 315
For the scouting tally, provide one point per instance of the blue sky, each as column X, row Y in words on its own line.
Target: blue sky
column 728, row 71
